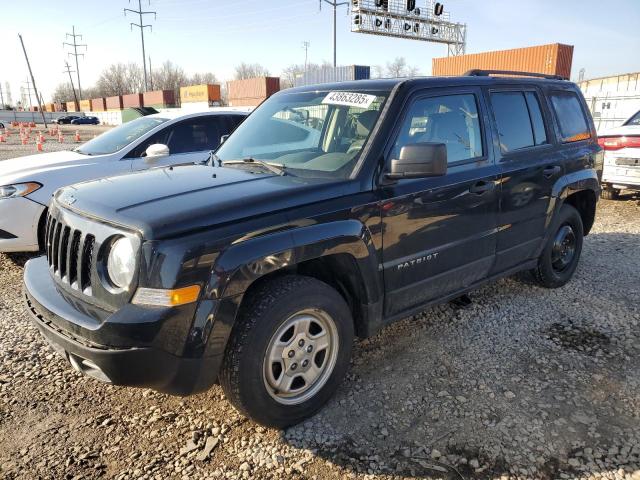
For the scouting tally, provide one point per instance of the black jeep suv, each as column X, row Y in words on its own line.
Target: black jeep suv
column 330, row 212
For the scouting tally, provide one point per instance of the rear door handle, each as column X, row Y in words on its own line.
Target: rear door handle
column 482, row 187
column 549, row 172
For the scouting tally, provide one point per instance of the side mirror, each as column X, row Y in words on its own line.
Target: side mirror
column 156, row 151
column 418, row 160
column 223, row 138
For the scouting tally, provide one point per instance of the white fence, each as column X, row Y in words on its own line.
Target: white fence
column 612, row 100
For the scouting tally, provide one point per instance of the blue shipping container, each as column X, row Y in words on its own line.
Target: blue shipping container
column 329, row 75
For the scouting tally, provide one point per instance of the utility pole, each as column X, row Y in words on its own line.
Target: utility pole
column 28, row 84
column 335, row 6
column 75, row 53
column 142, row 26
column 1, row 99
column 69, row 71
column 33, row 81
column 306, row 45
column 150, row 74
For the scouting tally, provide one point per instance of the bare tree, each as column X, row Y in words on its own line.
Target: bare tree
column 201, row 78
column 397, row 68
column 169, row 77
column 250, row 70
column 120, row 79
column 62, row 93
column 290, row 73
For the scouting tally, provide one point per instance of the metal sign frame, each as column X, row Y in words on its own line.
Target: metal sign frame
column 406, row 19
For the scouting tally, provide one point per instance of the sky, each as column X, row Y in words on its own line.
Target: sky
column 216, row 35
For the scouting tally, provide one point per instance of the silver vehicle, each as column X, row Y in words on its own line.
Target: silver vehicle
column 621, row 158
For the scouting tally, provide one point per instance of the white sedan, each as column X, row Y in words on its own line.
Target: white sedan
column 27, row 183
column 621, row 158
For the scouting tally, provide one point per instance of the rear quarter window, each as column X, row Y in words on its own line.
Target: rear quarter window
column 571, row 117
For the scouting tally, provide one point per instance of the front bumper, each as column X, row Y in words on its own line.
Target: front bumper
column 19, row 219
column 139, row 363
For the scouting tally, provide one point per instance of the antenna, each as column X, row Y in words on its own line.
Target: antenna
column 75, row 53
column 142, row 26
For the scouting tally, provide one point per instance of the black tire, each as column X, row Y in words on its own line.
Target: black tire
column 264, row 312
column 609, row 193
column 555, row 269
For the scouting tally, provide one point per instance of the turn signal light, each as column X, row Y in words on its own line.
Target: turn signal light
column 166, row 298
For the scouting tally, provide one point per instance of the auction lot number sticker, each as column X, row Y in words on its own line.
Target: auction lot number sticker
column 349, row 99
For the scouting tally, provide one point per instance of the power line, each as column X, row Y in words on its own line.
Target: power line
column 335, row 6
column 28, row 83
column 75, row 53
column 142, row 26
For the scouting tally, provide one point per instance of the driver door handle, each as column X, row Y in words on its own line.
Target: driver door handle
column 482, row 187
column 549, row 172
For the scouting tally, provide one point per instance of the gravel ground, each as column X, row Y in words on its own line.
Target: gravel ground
column 12, row 147
column 525, row 383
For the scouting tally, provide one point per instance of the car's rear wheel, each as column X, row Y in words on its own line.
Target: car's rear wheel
column 560, row 256
column 288, row 352
column 610, row 193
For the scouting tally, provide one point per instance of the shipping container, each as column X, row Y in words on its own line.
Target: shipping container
column 85, row 105
column 329, row 75
column 60, row 107
column 72, row 107
column 114, row 103
column 553, row 59
column 159, row 98
column 132, row 100
column 200, row 93
column 261, row 87
column 246, row 102
column 98, row 105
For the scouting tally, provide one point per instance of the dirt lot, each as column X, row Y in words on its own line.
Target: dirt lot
column 526, row 383
column 13, row 147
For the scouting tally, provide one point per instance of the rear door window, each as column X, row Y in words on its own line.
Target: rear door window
column 571, row 118
column 519, row 120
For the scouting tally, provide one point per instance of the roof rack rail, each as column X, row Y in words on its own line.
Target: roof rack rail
column 486, row 73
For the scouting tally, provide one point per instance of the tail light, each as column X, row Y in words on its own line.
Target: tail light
column 619, row 142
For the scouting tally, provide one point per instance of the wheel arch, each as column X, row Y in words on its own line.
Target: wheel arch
column 581, row 190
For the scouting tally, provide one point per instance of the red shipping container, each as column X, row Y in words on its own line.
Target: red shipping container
column 553, row 59
column 159, row 98
column 98, row 105
column 133, row 100
column 114, row 103
column 262, row 87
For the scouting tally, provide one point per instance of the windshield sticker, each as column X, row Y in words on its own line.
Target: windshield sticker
column 349, row 99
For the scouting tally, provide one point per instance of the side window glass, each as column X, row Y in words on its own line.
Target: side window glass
column 512, row 119
column 539, row 133
column 450, row 119
column 571, row 119
column 194, row 136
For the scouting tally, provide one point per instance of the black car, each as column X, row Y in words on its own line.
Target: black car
column 330, row 212
column 86, row 121
column 65, row 119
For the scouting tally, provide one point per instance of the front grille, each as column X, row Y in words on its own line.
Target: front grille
column 70, row 254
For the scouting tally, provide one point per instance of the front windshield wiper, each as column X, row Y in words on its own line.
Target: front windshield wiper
column 277, row 169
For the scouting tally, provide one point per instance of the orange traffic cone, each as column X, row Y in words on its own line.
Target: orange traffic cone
column 2, row 140
column 60, row 138
column 77, row 136
column 39, row 146
column 41, row 138
column 24, row 140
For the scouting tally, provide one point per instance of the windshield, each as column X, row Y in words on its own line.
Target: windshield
column 120, row 137
column 314, row 134
column 635, row 120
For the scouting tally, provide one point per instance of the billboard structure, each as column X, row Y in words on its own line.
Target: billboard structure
column 423, row 20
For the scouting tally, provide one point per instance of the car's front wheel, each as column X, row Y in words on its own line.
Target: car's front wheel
column 560, row 256
column 289, row 350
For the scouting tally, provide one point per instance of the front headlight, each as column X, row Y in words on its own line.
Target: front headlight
column 18, row 190
column 121, row 263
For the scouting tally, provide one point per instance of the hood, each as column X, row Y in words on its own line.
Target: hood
column 166, row 202
column 31, row 168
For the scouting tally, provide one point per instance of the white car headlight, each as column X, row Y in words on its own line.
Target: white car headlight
column 121, row 262
column 18, row 189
